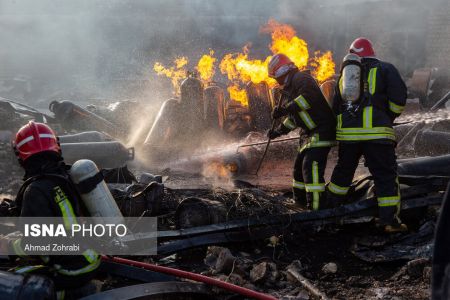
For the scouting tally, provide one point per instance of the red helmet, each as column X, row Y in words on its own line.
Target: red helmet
column 362, row 47
column 280, row 65
column 34, row 138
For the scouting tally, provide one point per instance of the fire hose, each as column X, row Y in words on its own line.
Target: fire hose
column 192, row 276
column 279, row 104
column 291, row 139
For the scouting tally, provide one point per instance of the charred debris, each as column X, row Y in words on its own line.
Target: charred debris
column 217, row 217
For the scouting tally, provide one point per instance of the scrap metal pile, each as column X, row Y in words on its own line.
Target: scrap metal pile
column 219, row 217
column 230, row 227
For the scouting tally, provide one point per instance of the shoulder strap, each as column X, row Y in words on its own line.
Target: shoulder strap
column 66, row 179
column 19, row 197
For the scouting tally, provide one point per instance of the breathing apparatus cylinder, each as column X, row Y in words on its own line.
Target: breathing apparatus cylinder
column 94, row 192
column 350, row 85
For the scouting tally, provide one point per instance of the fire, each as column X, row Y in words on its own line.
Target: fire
column 206, row 67
column 176, row 73
column 241, row 69
column 238, row 94
column 219, row 170
column 324, row 65
column 285, row 41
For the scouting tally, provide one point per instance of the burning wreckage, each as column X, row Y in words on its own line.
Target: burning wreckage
column 222, row 184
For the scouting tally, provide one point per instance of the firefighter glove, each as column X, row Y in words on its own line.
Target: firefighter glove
column 279, row 112
column 273, row 134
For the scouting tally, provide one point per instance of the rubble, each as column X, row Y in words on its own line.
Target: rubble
column 312, row 289
column 415, row 268
column 330, row 268
column 265, row 271
column 220, row 259
column 212, row 198
column 72, row 116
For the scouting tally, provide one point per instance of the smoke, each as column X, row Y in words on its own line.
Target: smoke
column 88, row 49
column 399, row 29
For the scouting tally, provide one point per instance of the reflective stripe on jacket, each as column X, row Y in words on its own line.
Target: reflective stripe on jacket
column 383, row 100
column 309, row 110
column 48, row 196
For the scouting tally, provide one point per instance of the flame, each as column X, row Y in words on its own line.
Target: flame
column 285, row 41
column 176, row 73
column 219, row 170
column 324, row 65
column 241, row 69
column 205, row 66
column 238, row 94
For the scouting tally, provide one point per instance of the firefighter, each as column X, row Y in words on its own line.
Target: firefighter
column 304, row 107
column 47, row 192
column 369, row 95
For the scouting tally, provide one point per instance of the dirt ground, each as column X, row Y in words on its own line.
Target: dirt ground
column 309, row 250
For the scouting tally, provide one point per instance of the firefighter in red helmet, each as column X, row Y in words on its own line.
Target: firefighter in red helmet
column 369, row 95
column 305, row 107
column 362, row 47
column 47, row 192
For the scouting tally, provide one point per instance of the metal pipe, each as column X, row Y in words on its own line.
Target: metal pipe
column 430, row 142
column 104, row 154
column 74, row 116
column 83, row 137
column 424, row 166
column 440, row 102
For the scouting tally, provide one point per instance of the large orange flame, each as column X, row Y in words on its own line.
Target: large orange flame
column 176, row 73
column 324, row 66
column 285, row 41
column 240, row 69
column 238, row 94
column 205, row 66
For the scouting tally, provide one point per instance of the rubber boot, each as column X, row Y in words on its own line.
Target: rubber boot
column 331, row 199
column 300, row 198
column 390, row 221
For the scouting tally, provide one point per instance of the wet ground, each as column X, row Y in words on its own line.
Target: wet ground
column 308, row 250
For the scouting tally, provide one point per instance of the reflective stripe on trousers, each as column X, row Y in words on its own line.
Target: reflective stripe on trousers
column 338, row 190
column 298, row 184
column 391, row 200
column 316, row 187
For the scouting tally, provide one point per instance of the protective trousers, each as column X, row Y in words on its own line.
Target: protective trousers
column 309, row 183
column 380, row 158
column 67, row 287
